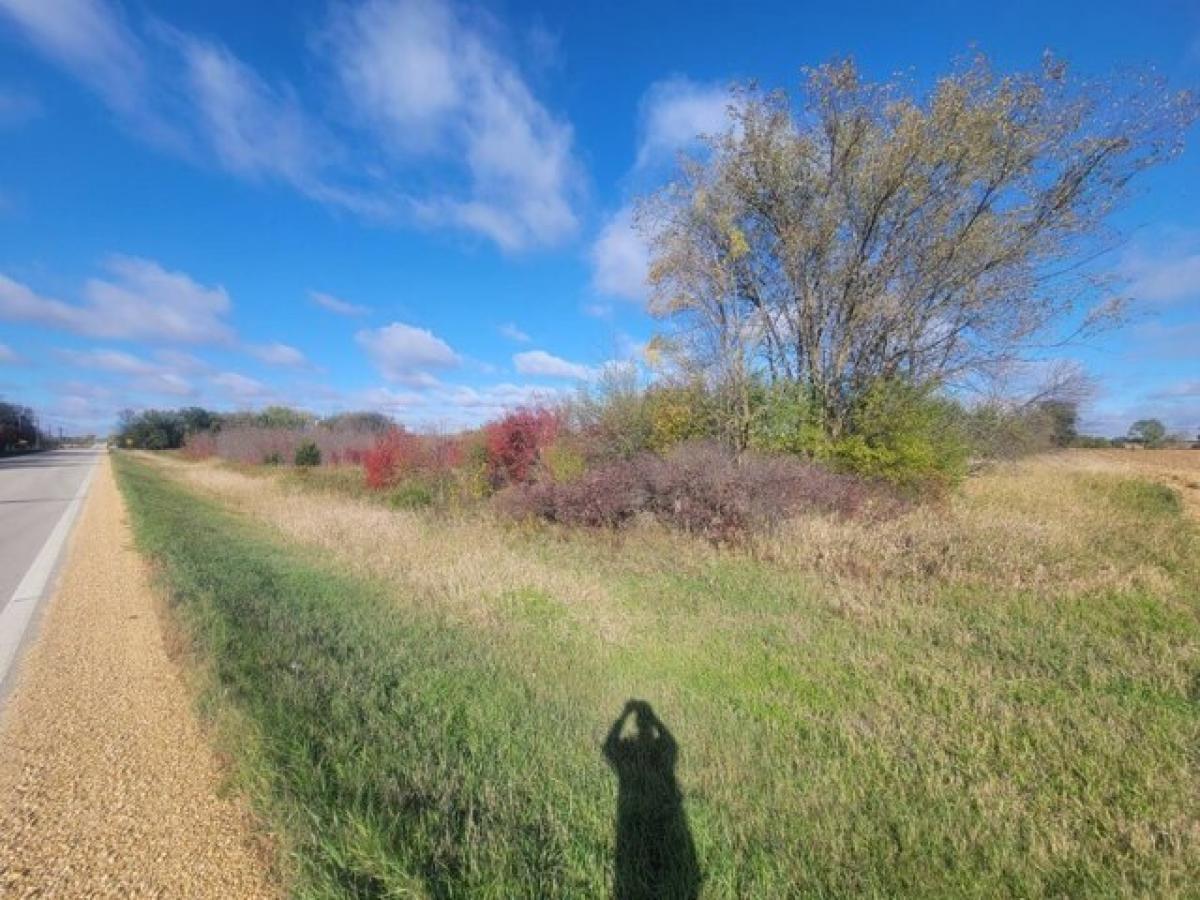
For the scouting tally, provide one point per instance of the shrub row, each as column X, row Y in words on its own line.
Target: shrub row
column 698, row 487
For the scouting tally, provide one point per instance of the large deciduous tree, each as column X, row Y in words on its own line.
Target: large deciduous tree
column 869, row 233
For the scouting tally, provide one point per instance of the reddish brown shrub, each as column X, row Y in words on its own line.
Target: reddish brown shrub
column 199, row 445
column 515, row 444
column 700, row 488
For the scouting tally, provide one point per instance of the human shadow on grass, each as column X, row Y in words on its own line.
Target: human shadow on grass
column 656, row 857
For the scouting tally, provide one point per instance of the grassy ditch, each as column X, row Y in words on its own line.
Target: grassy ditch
column 442, row 708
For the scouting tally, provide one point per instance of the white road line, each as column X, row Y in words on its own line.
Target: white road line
column 15, row 617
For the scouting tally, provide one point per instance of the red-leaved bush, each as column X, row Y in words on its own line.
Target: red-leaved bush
column 515, row 444
column 199, row 445
column 700, row 488
column 398, row 454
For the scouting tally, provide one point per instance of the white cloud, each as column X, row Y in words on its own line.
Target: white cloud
column 189, row 96
column 165, row 383
column 91, row 40
column 513, row 333
column 436, row 86
column 109, row 361
column 456, row 115
column 539, row 362
column 1178, row 391
column 620, row 259
column 240, row 387
column 450, row 406
column 336, row 305
column 255, row 130
column 674, row 113
column 277, row 354
column 599, row 310
column 179, row 361
column 1158, row 340
column 8, row 355
column 672, row 116
column 404, row 353
column 1166, row 272
column 141, row 376
column 138, row 300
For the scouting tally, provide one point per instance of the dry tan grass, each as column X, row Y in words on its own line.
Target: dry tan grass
column 463, row 565
column 1027, row 526
column 1022, row 526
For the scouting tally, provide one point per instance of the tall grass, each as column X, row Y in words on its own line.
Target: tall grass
column 995, row 696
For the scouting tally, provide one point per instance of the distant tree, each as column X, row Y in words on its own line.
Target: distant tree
column 18, row 426
column 1148, row 431
column 371, row 422
column 196, row 418
column 285, row 417
column 151, row 429
column 872, row 234
column 1062, row 417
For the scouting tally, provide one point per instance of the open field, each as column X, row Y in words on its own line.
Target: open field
column 992, row 696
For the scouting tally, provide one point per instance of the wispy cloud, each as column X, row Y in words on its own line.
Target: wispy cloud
column 1188, row 389
column 336, row 305
column 137, row 299
column 277, row 354
column 8, row 356
column 1165, row 271
column 241, row 388
column 92, row 40
column 103, row 360
column 452, row 112
column 139, row 375
column 513, row 333
column 539, row 362
column 436, row 87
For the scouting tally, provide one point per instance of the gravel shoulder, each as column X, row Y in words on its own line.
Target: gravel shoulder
column 108, row 785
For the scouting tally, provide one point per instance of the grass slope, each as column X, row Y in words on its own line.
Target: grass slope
column 971, row 735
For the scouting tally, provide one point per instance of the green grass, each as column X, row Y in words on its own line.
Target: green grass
column 954, row 741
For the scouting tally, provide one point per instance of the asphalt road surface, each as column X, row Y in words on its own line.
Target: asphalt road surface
column 39, row 496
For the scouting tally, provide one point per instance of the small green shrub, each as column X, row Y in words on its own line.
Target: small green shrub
column 411, row 494
column 274, row 458
column 785, row 420
column 562, row 462
column 308, row 454
column 905, row 435
column 676, row 414
column 1146, row 499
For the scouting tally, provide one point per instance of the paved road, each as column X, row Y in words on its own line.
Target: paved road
column 36, row 491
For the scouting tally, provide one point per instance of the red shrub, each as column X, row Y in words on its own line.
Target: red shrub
column 199, row 445
column 385, row 461
column 397, row 454
column 515, row 444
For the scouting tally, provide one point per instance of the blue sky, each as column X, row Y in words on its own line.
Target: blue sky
column 420, row 206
